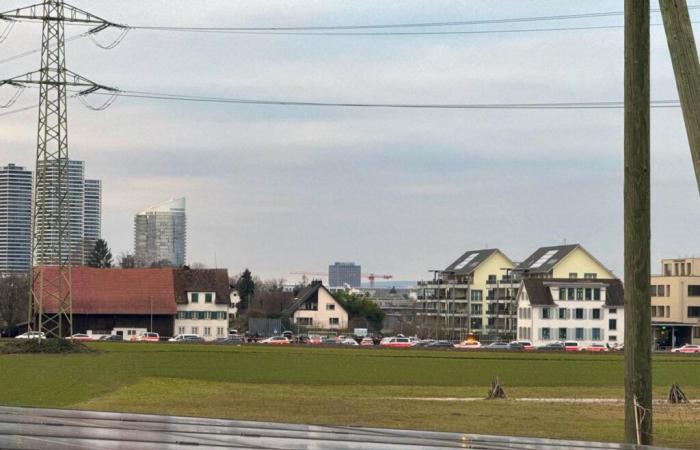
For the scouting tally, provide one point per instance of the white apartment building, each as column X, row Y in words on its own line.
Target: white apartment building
column 315, row 308
column 574, row 309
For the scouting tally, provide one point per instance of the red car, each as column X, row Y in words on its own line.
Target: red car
column 571, row 346
column 398, row 342
column 81, row 337
column 275, row 340
column 595, row 348
column 146, row 337
column 687, row 348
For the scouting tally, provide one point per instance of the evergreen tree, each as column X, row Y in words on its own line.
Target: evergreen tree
column 246, row 289
column 101, row 256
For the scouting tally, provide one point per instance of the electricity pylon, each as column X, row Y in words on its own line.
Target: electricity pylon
column 52, row 247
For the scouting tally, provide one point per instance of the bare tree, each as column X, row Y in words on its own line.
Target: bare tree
column 14, row 292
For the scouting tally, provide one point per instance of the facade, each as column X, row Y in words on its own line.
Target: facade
column 675, row 303
column 161, row 300
column 15, row 219
column 315, row 308
column 160, row 234
column 204, row 303
column 473, row 295
column 589, row 311
column 92, row 215
column 562, row 261
column 342, row 273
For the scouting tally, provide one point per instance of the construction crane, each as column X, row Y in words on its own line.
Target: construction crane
column 370, row 276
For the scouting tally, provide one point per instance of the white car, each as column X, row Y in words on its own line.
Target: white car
column 349, row 341
column 687, row 348
column 468, row 344
column 32, row 335
column 183, row 337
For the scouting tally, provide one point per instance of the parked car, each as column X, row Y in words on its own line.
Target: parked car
column 525, row 345
column 498, row 346
column 314, row 339
column 687, row 348
column 516, row 346
column 552, row 346
column 112, row 337
column 367, row 342
column 231, row 340
column 32, row 335
column 146, row 337
column 329, row 340
column 82, row 337
column 440, row 344
column 571, row 346
column 276, row 340
column 595, row 348
column 468, row 344
column 182, row 337
column 398, row 342
column 349, row 341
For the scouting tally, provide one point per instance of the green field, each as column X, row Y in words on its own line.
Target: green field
column 364, row 387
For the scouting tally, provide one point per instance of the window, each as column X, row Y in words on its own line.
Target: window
column 687, row 270
column 477, row 295
column 595, row 334
column 596, row 314
column 563, row 313
column 562, row 294
column 612, row 338
column 330, row 306
column 546, row 313
column 476, row 309
column 491, row 280
column 573, row 275
column 668, row 311
column 305, row 321
column 612, row 311
column 570, row 293
column 612, row 324
column 667, row 270
column 693, row 290
column 693, row 311
column 194, row 297
column 579, row 293
column 334, row 321
column 201, row 315
column 668, row 290
column 579, row 313
column 195, row 330
column 545, row 334
column 180, row 330
column 562, row 334
column 696, row 333
column 652, row 290
column 476, row 323
column 219, row 331
column 208, row 297
column 660, row 291
column 590, row 276
column 589, row 294
column 207, row 331
column 579, row 334
column 596, row 294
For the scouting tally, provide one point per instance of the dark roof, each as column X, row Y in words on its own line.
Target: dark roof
column 545, row 258
column 306, row 294
column 540, row 294
column 469, row 261
column 202, row 280
column 116, row 291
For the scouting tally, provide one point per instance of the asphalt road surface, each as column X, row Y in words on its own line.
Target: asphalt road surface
column 40, row 429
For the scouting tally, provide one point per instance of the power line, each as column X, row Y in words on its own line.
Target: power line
column 16, row 111
column 38, row 50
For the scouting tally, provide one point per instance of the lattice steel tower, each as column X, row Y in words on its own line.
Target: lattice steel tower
column 51, row 299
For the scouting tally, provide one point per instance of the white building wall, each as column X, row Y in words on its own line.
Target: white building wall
column 531, row 321
column 188, row 319
column 329, row 310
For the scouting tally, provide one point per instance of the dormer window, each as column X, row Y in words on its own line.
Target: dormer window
column 194, row 297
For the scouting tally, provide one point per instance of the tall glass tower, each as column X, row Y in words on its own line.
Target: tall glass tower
column 92, row 219
column 160, row 234
column 342, row 273
column 15, row 219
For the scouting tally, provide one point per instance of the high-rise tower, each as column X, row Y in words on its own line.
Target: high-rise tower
column 15, row 219
column 160, row 234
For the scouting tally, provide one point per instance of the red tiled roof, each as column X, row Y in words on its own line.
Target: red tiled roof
column 116, row 291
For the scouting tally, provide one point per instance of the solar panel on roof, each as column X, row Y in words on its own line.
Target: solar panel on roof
column 466, row 261
column 543, row 259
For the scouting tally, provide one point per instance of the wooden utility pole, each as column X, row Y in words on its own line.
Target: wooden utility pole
column 637, row 222
column 684, row 55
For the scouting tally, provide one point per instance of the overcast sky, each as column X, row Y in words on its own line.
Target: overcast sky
column 279, row 189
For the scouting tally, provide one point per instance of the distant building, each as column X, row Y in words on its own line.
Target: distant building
column 167, row 301
column 473, row 295
column 315, row 308
column 586, row 310
column 160, row 234
column 342, row 273
column 92, row 220
column 675, row 303
column 15, row 219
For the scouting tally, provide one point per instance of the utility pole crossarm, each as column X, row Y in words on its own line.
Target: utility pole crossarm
column 72, row 79
column 70, row 14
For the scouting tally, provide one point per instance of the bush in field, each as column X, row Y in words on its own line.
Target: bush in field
column 54, row 346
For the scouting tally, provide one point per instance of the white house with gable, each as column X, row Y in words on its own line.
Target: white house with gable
column 314, row 307
column 589, row 311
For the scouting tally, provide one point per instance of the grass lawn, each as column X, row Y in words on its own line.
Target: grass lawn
column 365, row 387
